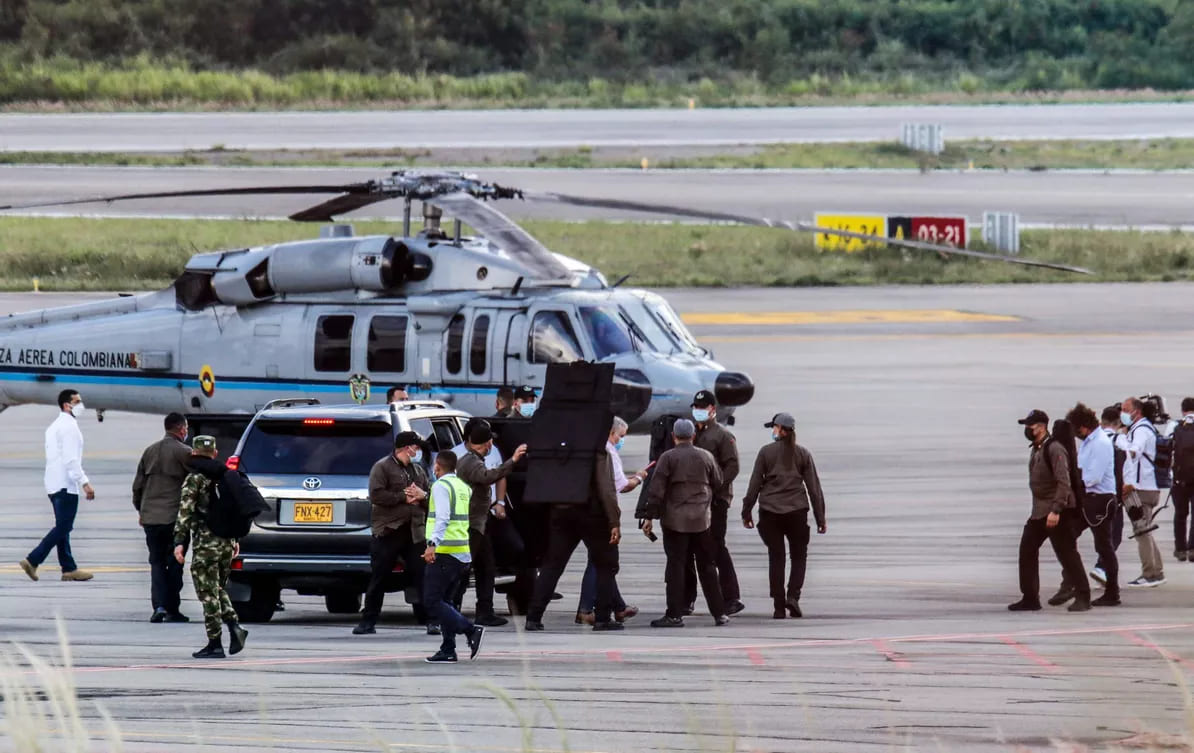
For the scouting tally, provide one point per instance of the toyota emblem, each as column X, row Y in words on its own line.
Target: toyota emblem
column 311, row 484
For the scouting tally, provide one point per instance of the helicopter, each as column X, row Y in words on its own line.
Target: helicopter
column 445, row 316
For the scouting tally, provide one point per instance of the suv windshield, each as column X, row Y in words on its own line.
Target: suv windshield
column 292, row 446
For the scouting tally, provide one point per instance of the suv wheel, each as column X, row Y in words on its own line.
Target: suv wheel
column 263, row 601
column 342, row 602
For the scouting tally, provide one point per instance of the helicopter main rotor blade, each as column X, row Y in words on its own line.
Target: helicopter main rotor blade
column 352, row 188
column 342, row 204
column 504, row 232
column 701, row 214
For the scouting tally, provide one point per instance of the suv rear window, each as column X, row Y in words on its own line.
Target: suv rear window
column 342, row 448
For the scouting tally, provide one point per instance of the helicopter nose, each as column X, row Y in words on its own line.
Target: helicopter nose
column 631, row 395
column 733, row 388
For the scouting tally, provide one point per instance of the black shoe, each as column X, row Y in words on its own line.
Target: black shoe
column 1106, row 600
column 177, row 617
column 793, row 608
column 365, row 627
column 441, row 658
column 213, row 650
column 734, row 607
column 434, row 629
column 721, row 620
column 490, row 620
column 1024, row 605
column 668, row 622
column 1081, row 604
column 1064, row 594
column 159, row 615
column 556, row 595
column 236, row 638
column 474, row 640
column 612, row 625
column 690, row 609
column 279, row 607
column 779, row 613
column 533, row 626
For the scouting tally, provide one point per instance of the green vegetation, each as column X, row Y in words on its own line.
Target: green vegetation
column 1140, row 154
column 270, row 53
column 130, row 254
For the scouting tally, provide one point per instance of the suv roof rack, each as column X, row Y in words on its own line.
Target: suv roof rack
column 290, row 402
column 417, row 404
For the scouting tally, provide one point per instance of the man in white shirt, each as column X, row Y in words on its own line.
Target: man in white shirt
column 64, row 478
column 1140, row 491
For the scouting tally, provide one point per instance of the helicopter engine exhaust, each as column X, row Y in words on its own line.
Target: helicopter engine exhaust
column 378, row 264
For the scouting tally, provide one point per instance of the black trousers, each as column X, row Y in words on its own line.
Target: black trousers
column 1099, row 512
column 680, row 548
column 1183, row 537
column 569, row 526
column 440, row 584
column 1065, row 546
column 726, row 576
column 1117, row 532
column 484, row 570
column 775, row 529
column 165, row 574
column 384, row 553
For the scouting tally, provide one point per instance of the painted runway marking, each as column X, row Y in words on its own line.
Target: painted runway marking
column 1130, row 635
column 895, row 657
column 1029, row 654
column 614, row 656
column 756, row 658
column 855, row 316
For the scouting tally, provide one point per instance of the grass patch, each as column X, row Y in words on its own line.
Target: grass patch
column 137, row 254
column 1138, row 154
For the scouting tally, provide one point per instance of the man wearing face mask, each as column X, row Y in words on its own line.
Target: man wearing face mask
column 398, row 489
column 524, row 401
column 503, row 403
column 472, row 471
column 64, row 479
column 713, row 437
column 1140, row 491
column 157, row 494
column 1053, row 508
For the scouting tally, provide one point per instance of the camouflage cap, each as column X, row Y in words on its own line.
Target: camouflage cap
column 204, row 443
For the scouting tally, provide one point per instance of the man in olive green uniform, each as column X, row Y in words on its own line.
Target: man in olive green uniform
column 211, row 555
column 713, row 437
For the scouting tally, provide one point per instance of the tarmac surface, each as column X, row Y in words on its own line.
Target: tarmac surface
column 410, row 129
column 909, row 408
column 1138, row 199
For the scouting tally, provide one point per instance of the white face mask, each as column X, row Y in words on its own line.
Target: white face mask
column 77, row 409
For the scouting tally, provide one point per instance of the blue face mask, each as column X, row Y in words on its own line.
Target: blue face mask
column 1125, row 419
column 618, row 445
column 775, row 436
column 526, row 410
column 417, row 457
column 700, row 415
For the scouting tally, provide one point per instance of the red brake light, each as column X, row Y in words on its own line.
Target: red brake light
column 232, row 463
column 319, row 422
column 238, row 564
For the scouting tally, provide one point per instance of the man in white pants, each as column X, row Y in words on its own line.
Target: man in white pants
column 1140, row 492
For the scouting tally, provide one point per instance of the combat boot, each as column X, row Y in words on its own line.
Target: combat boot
column 213, row 650
column 236, row 637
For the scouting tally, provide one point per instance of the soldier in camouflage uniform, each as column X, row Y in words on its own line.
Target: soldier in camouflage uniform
column 211, row 556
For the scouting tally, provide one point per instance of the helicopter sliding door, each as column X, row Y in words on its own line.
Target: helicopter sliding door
column 331, row 360
column 387, row 361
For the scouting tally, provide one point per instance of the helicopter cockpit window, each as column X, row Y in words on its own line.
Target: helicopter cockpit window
column 671, row 321
column 333, row 343
column 649, row 329
column 477, row 352
column 607, row 331
column 387, row 344
column 552, row 339
column 454, row 355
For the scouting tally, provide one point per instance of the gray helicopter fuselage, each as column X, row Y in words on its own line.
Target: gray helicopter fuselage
column 254, row 333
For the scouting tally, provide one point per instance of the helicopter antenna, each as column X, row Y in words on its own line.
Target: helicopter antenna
column 621, row 279
column 517, row 286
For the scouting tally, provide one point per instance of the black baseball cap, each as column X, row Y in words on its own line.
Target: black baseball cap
column 406, row 439
column 1034, row 417
column 704, row 399
column 525, row 392
column 480, row 432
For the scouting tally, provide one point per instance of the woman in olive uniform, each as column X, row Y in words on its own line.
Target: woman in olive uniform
column 785, row 485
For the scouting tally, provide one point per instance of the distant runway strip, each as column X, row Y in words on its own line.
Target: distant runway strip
column 1073, row 199
column 408, row 129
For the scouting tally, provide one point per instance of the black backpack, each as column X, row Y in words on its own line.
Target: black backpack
column 1163, row 462
column 1121, row 457
column 234, row 503
column 1183, row 454
column 661, row 442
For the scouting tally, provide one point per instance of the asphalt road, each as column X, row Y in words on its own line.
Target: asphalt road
column 565, row 128
column 1072, row 198
column 906, row 644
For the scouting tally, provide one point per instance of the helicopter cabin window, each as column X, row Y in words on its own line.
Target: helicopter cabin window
column 477, row 353
column 387, row 344
column 454, row 355
column 607, row 330
column 333, row 342
column 552, row 339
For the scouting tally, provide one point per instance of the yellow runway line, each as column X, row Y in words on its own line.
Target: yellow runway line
column 855, row 316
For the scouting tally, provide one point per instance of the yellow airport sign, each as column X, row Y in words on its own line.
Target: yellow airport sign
column 870, row 224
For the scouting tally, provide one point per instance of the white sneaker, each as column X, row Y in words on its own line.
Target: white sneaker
column 1098, row 574
column 1154, row 582
column 1141, row 582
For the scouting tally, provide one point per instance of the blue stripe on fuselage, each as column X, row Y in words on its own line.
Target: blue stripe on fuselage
column 228, row 383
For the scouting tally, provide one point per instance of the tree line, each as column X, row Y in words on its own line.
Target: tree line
column 1025, row 44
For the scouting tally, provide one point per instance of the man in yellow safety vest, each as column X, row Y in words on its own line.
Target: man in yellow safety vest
column 448, row 558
